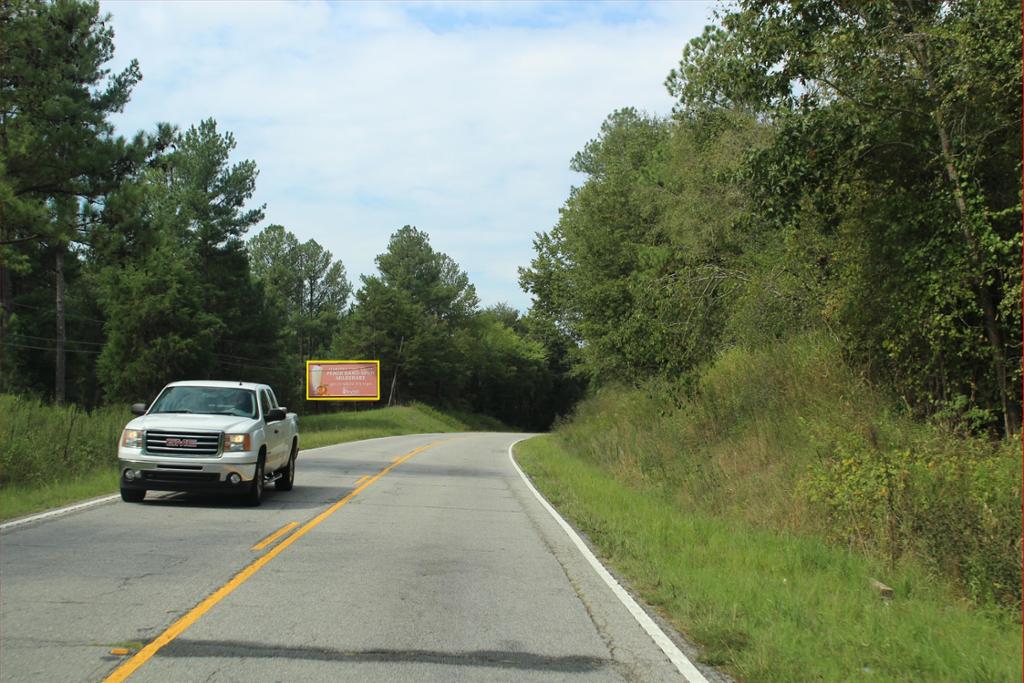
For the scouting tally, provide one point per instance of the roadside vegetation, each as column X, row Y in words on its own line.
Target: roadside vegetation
column 829, row 167
column 418, row 418
column 797, row 308
column 767, row 605
column 53, row 455
column 796, row 304
column 789, row 439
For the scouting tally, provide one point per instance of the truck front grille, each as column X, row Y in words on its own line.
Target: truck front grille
column 165, row 477
column 183, row 444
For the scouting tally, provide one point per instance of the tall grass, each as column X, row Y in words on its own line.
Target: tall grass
column 770, row 606
column 790, row 438
column 41, row 443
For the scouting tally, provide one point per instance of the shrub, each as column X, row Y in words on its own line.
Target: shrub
column 790, row 437
column 954, row 503
column 41, row 442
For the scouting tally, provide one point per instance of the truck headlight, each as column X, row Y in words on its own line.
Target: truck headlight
column 132, row 438
column 237, row 442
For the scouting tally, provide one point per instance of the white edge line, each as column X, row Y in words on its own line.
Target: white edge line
column 59, row 512
column 675, row 655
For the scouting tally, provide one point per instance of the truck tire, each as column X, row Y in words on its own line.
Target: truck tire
column 287, row 480
column 254, row 496
column 133, row 495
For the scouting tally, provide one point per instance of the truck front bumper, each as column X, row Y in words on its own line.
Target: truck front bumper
column 158, row 473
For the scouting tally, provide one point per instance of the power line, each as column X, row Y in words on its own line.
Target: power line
column 224, row 360
column 66, row 315
column 53, row 339
column 249, row 364
column 50, row 349
column 92, row 343
column 227, row 359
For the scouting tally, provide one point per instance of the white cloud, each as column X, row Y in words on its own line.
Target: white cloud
column 365, row 117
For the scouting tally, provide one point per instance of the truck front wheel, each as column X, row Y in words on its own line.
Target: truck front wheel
column 287, row 479
column 254, row 496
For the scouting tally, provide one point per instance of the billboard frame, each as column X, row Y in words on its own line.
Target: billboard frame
column 305, row 380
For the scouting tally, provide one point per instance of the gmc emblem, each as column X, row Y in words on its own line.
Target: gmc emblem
column 182, row 443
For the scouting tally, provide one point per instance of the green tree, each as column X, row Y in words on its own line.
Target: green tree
column 186, row 292
column 898, row 131
column 306, row 285
column 324, row 294
column 157, row 329
column 419, row 316
column 409, row 317
column 381, row 321
column 434, row 281
column 600, row 271
column 506, row 314
column 273, row 256
column 58, row 153
column 650, row 268
column 566, row 386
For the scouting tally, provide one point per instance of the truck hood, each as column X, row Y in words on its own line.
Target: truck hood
column 194, row 421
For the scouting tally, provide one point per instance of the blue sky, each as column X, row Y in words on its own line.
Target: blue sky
column 457, row 117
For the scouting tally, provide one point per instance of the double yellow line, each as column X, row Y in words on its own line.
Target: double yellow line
column 130, row 666
column 274, row 536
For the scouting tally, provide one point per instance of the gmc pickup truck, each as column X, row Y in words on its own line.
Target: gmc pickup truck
column 209, row 436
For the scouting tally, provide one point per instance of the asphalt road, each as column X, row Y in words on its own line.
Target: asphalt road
column 441, row 566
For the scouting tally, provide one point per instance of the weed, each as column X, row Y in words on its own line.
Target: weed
column 771, row 606
column 790, row 438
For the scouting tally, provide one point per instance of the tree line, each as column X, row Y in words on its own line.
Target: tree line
column 127, row 263
column 847, row 167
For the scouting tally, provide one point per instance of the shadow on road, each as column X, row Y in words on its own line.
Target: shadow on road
column 300, row 498
column 496, row 659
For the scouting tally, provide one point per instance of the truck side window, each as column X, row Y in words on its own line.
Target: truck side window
column 265, row 400
column 273, row 399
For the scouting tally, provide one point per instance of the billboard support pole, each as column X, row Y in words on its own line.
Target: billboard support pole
column 394, row 377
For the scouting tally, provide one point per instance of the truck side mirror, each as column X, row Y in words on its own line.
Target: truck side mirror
column 139, row 408
column 276, row 414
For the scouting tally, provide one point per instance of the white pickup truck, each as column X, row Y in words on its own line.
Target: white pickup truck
column 209, row 436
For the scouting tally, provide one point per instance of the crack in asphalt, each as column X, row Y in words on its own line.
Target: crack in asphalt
column 630, row 670
column 624, row 669
column 496, row 659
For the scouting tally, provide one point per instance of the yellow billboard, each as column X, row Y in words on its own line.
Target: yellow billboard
column 342, row 380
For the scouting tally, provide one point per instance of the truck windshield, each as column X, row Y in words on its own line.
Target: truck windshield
column 207, row 400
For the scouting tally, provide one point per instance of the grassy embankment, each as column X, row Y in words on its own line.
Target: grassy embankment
column 52, row 455
column 755, row 513
column 418, row 418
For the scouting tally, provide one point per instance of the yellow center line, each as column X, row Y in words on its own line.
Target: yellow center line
column 129, row 667
column 274, row 536
column 361, row 479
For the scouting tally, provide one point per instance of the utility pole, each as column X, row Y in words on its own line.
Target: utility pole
column 59, row 393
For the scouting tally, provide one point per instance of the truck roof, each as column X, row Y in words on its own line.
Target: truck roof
column 218, row 383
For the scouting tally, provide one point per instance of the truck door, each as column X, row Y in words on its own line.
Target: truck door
column 275, row 435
